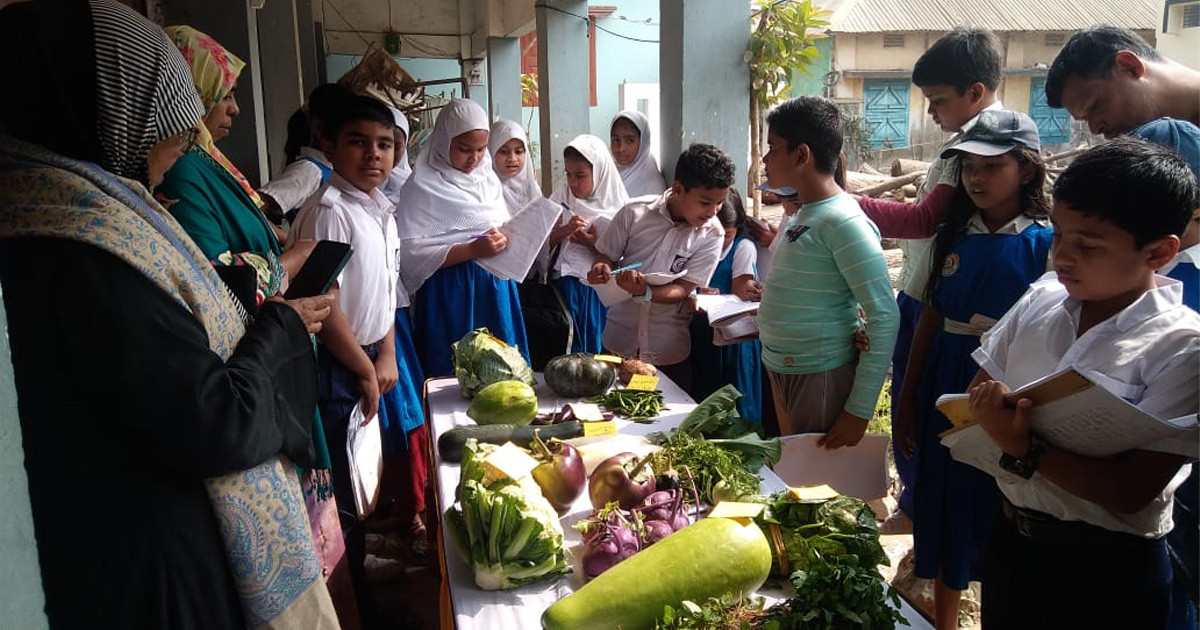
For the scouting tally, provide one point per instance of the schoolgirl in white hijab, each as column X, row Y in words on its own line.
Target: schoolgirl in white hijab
column 638, row 169
column 402, row 169
column 509, row 148
column 447, row 214
column 592, row 195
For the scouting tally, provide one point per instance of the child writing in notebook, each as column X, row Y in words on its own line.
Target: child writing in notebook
column 676, row 232
column 356, row 358
column 739, row 364
column 448, row 214
column 630, row 136
column 1068, row 520
column 994, row 242
column 591, row 197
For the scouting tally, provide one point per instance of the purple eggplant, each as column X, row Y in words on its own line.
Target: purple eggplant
column 561, row 474
column 622, row 478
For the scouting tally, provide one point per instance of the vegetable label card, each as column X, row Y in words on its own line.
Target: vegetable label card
column 605, row 427
column 643, row 382
column 608, row 358
column 736, row 510
column 511, row 461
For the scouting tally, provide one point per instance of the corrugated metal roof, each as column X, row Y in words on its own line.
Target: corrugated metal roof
column 875, row 16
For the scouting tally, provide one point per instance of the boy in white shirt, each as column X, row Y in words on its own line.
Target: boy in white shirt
column 356, row 357
column 675, row 232
column 309, row 168
column 1080, row 540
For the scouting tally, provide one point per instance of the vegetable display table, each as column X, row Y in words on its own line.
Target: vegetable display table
column 463, row 604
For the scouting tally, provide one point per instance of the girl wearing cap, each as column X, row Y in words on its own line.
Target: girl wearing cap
column 994, row 241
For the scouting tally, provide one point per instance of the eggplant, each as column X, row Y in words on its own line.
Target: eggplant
column 622, row 478
column 561, row 474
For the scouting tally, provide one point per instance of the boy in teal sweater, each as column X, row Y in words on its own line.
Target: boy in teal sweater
column 828, row 264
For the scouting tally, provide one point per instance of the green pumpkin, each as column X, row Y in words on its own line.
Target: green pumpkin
column 579, row 375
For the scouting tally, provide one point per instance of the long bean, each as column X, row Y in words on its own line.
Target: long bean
column 637, row 405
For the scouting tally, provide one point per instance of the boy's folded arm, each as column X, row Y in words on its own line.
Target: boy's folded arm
column 897, row 219
column 1123, row 483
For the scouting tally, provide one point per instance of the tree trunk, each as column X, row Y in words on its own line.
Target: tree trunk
column 755, row 175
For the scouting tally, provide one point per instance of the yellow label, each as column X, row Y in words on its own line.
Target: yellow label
column 607, row 358
column 511, row 461
column 813, row 493
column 606, row 427
column 643, row 382
column 587, row 412
column 736, row 510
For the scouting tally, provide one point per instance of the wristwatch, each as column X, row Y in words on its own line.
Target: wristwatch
column 1024, row 467
column 645, row 297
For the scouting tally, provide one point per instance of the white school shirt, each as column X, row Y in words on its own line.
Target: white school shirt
column 1149, row 354
column 371, row 280
column 299, row 180
column 643, row 231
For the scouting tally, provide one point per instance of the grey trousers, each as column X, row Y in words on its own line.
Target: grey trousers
column 810, row 403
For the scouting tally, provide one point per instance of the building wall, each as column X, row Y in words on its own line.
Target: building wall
column 1179, row 43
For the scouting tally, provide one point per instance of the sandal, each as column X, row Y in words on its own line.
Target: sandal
column 419, row 547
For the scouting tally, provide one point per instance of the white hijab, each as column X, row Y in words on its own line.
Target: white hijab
column 441, row 206
column 608, row 191
column 608, row 196
column 522, row 187
column 402, row 169
column 642, row 176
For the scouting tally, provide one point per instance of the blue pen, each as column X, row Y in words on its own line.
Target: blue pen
column 626, row 268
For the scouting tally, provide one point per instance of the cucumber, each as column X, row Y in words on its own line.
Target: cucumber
column 709, row 558
column 450, row 443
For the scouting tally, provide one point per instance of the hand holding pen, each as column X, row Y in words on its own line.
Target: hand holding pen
column 489, row 243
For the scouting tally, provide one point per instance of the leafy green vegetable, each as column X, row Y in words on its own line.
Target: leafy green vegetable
column 505, row 529
column 481, row 359
column 836, row 594
column 717, row 420
column 713, row 414
column 719, row 472
column 843, row 525
column 730, row 612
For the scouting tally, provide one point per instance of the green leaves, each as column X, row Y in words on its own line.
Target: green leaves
column 782, row 41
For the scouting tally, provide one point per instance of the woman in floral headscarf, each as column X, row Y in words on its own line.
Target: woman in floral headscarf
column 209, row 196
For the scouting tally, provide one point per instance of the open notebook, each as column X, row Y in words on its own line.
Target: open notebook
column 1074, row 412
column 527, row 233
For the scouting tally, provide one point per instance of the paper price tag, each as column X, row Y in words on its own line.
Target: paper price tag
column 813, row 493
column 608, row 358
column 587, row 412
column 511, row 461
column 643, row 382
column 736, row 510
column 607, row 427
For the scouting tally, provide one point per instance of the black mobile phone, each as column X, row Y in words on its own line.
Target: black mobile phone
column 326, row 261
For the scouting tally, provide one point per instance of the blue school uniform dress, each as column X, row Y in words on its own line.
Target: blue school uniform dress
column 456, row 300
column 715, row 366
column 587, row 313
column 955, row 504
column 400, row 410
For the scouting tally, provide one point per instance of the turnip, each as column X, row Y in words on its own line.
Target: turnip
column 655, row 531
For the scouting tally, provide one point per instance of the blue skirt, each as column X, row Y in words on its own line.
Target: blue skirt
column 456, row 300
column 713, row 367
column 955, row 504
column 400, row 410
column 587, row 312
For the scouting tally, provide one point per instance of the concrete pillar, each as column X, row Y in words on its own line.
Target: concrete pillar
column 236, row 30
column 21, row 598
column 504, row 77
column 563, row 88
column 282, row 80
column 307, row 39
column 704, row 78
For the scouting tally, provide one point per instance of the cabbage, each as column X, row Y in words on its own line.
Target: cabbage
column 506, row 531
column 481, row 359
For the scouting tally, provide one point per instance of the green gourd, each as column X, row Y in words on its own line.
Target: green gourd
column 710, row 558
column 578, row 375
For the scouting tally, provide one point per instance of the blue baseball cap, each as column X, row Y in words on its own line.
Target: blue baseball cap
column 996, row 132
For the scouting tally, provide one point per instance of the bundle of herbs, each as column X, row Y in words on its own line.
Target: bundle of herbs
column 723, row 450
